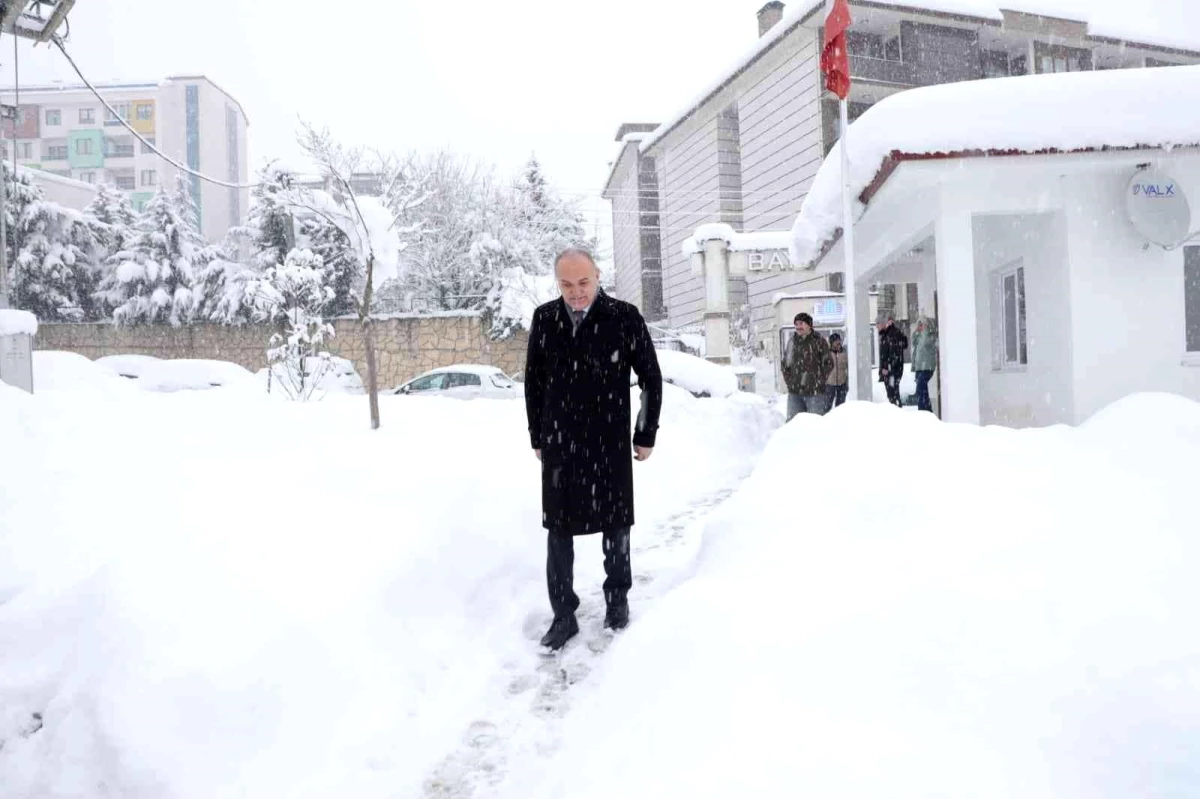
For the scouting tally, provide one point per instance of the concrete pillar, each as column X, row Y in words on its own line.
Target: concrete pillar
column 716, row 304
column 958, row 324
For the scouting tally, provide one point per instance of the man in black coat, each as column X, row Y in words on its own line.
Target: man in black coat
column 892, row 344
column 577, row 399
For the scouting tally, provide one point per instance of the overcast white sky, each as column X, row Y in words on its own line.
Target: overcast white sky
column 493, row 79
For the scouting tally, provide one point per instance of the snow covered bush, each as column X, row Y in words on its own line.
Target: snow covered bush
column 155, row 277
column 292, row 297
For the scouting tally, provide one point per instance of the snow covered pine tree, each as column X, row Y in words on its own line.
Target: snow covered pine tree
column 154, row 278
column 52, row 251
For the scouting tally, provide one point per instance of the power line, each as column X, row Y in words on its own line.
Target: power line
column 145, row 143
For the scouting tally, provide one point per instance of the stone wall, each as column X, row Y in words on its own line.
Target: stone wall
column 405, row 345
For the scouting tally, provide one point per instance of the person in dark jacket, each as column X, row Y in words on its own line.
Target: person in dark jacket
column 806, row 366
column 582, row 347
column 892, row 344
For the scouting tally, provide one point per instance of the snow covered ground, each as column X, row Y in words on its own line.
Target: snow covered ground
column 218, row 593
column 892, row 606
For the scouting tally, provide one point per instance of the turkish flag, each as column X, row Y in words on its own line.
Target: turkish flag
column 835, row 59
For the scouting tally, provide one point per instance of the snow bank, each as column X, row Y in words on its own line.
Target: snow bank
column 15, row 323
column 1157, row 107
column 68, row 371
column 341, row 376
column 132, row 366
column 215, row 594
column 697, row 375
column 892, row 606
column 191, row 374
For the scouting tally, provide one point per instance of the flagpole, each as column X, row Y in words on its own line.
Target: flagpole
column 850, row 282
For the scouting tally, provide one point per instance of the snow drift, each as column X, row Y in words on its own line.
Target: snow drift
column 892, row 606
column 216, row 594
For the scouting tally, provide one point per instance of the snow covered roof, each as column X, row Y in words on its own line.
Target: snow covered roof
column 120, row 86
column 738, row 242
column 1060, row 113
column 1113, row 20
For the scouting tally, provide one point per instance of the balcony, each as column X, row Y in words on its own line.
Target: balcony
column 882, row 70
column 55, row 154
column 125, row 183
column 119, row 151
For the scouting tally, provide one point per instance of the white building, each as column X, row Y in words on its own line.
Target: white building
column 67, row 192
column 745, row 151
column 64, row 130
column 1045, row 221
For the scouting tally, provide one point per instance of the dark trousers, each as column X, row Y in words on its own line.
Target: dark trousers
column 923, row 401
column 892, row 384
column 560, row 571
column 835, row 396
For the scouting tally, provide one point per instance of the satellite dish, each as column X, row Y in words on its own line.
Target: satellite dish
column 1158, row 208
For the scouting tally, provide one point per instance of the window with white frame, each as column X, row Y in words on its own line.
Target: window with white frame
column 145, row 112
column 25, row 149
column 53, row 116
column 83, row 146
column 88, row 177
column 1010, row 348
column 1191, row 298
column 149, row 177
column 87, row 116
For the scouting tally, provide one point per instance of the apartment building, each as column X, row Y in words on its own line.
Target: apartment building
column 746, row 153
column 66, row 131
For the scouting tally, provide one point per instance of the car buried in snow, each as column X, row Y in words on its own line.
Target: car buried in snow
column 462, row 381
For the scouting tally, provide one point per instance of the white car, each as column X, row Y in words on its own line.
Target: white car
column 464, row 381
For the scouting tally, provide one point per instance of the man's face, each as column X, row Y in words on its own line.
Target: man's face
column 803, row 328
column 578, row 280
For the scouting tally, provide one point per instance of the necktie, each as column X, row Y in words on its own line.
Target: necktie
column 577, row 318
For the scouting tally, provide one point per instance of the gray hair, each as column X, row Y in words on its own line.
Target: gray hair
column 570, row 251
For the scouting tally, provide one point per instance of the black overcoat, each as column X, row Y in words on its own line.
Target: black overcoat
column 577, row 399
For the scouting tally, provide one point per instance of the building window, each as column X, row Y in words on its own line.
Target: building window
column 87, row 116
column 83, row 146
column 1052, row 58
column 53, row 116
column 88, row 177
column 125, row 182
column 149, row 177
column 869, row 45
column 149, row 142
column 1010, row 350
column 25, row 150
column 122, row 112
column 56, row 152
column 145, row 112
column 1191, row 297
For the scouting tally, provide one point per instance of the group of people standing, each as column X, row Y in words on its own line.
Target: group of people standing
column 817, row 372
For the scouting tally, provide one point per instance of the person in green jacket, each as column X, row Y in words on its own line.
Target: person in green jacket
column 924, row 359
column 806, row 367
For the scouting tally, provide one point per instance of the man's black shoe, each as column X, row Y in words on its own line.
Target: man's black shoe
column 561, row 631
column 617, row 617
